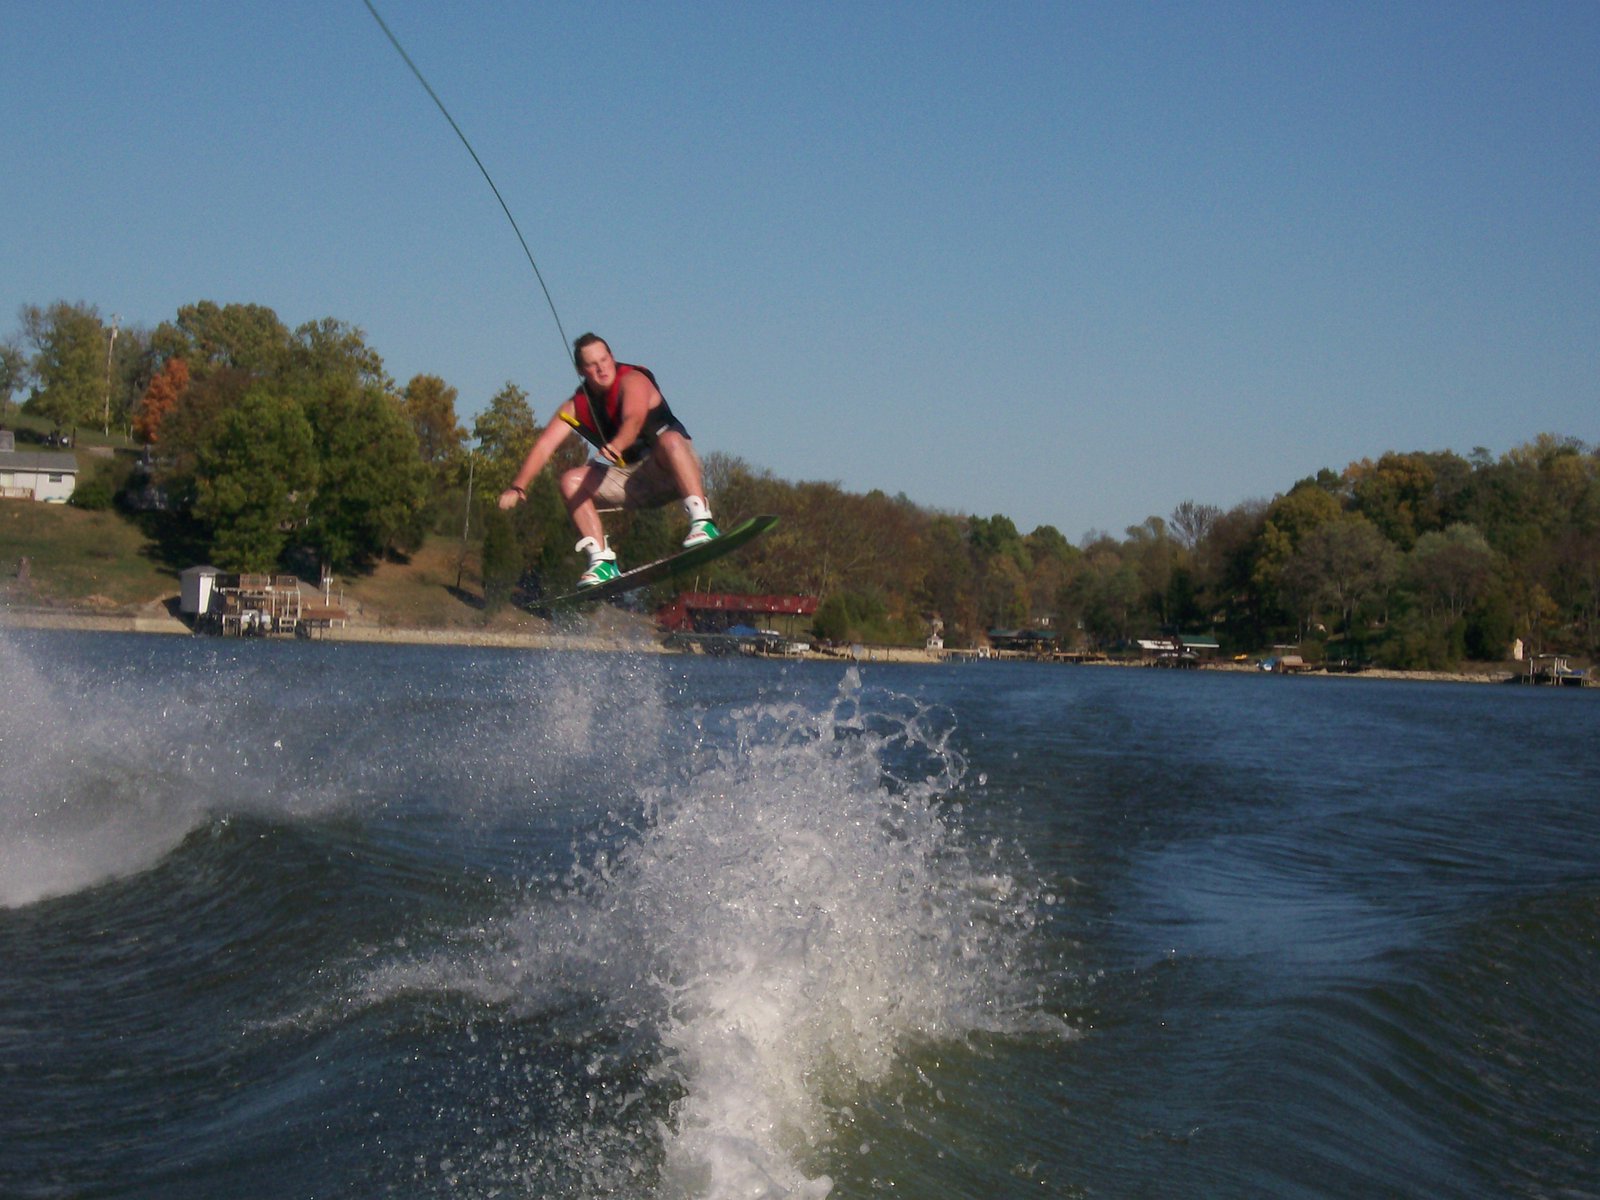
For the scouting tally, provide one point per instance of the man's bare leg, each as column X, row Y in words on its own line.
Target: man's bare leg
column 682, row 463
column 578, row 487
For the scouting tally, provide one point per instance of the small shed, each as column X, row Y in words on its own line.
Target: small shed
column 196, row 586
column 46, row 475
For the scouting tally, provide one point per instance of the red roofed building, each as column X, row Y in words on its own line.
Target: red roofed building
column 716, row 612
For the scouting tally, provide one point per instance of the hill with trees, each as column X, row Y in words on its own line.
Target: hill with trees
column 259, row 447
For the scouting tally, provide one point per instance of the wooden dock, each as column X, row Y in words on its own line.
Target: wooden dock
column 249, row 605
column 1553, row 670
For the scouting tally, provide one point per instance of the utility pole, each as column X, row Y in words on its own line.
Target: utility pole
column 110, row 347
column 466, row 519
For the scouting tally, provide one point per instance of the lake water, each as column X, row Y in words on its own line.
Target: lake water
column 323, row 920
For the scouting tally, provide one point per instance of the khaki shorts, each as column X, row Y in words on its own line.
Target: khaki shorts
column 646, row 484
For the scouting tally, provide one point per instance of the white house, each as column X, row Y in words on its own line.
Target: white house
column 48, row 475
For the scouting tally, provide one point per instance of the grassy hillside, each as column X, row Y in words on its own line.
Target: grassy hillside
column 102, row 561
column 84, row 559
column 421, row 593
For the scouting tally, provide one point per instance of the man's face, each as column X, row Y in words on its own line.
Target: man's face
column 599, row 368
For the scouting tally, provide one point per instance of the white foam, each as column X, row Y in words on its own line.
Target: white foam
column 74, row 810
column 799, row 923
column 106, row 767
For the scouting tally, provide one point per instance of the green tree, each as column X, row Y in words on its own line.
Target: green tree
column 71, row 348
column 997, row 535
column 1517, row 501
column 1051, row 556
column 1452, row 485
column 430, row 405
column 1343, row 565
column 1102, row 594
column 1289, row 520
column 504, row 432
column 1449, row 570
column 1003, row 594
column 949, row 587
column 1154, row 555
column 254, row 472
column 191, row 424
column 243, row 337
column 132, row 368
column 329, row 350
column 1224, row 565
column 1490, row 628
column 1397, row 494
column 859, row 617
column 502, row 560
column 14, row 374
column 371, row 483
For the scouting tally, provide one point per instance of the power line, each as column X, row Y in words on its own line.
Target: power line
column 395, row 42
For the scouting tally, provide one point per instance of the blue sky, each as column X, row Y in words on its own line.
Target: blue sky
column 1073, row 262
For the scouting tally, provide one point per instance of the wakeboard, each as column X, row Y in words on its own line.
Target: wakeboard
column 665, row 568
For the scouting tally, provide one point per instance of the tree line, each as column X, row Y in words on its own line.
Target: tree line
column 285, row 445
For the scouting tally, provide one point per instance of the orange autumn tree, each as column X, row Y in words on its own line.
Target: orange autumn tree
column 160, row 398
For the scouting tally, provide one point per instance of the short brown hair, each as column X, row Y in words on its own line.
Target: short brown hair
column 583, row 343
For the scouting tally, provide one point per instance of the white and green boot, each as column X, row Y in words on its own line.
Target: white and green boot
column 702, row 528
column 602, row 562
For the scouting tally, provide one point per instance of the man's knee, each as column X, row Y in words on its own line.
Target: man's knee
column 572, row 482
column 673, row 447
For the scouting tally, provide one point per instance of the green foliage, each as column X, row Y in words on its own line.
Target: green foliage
column 1490, row 629
column 98, row 487
column 244, row 337
column 1397, row 494
column 1419, row 643
column 504, row 432
column 71, row 348
column 1450, row 570
column 371, row 483
column 502, row 560
column 1342, row 567
column 430, row 405
column 1102, row 596
column 329, row 350
column 14, row 374
column 190, row 425
column 545, row 533
column 255, row 471
column 997, row 535
column 861, row 617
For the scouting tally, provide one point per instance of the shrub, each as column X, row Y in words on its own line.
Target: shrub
column 97, row 488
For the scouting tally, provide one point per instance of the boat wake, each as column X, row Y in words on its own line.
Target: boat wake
column 107, row 771
column 794, row 914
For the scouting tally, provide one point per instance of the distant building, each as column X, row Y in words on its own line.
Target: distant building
column 717, row 612
column 1190, row 647
column 46, row 475
column 1024, row 641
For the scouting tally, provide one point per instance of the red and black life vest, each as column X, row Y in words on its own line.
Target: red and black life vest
column 600, row 414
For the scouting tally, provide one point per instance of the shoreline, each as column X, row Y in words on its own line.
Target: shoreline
column 156, row 619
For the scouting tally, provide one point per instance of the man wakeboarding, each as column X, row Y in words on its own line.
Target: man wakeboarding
column 646, row 457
